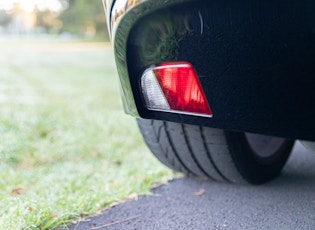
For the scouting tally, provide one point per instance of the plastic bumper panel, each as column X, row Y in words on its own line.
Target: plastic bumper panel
column 255, row 60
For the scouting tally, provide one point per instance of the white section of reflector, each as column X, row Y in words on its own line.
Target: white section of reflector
column 152, row 92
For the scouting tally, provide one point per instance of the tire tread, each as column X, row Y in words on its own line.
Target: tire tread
column 195, row 151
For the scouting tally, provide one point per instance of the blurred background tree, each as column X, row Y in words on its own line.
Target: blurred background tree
column 84, row 17
column 67, row 17
column 4, row 18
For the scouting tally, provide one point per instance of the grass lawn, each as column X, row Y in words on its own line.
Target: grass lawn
column 67, row 149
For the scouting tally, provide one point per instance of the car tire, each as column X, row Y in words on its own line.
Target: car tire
column 216, row 154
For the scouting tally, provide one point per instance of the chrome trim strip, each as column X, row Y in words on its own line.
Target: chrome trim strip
column 181, row 112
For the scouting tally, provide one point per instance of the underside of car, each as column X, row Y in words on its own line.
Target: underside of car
column 220, row 89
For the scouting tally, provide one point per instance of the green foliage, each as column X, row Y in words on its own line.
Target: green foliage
column 79, row 17
column 84, row 17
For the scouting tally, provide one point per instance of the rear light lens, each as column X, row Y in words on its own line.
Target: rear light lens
column 174, row 87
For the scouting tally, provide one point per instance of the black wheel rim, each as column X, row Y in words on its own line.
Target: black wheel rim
column 264, row 146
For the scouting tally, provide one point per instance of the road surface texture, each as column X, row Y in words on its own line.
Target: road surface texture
column 285, row 203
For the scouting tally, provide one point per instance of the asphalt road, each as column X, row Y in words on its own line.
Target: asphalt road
column 285, row 203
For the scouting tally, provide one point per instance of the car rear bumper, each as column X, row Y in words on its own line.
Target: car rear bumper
column 255, row 59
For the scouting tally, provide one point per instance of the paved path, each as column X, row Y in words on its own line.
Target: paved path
column 285, row 203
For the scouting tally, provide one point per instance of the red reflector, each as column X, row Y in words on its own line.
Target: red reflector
column 181, row 87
